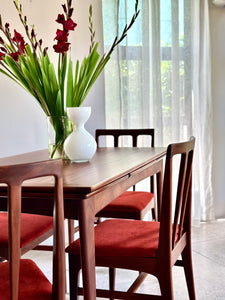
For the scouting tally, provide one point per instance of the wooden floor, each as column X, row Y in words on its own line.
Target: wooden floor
column 208, row 262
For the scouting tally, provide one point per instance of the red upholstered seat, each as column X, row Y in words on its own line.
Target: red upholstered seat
column 32, row 226
column 128, row 201
column 128, row 238
column 33, row 284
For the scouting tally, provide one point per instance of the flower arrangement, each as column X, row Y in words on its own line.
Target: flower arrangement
column 29, row 65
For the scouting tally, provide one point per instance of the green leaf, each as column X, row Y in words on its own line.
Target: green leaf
column 62, row 78
column 48, row 95
column 59, row 66
column 69, row 94
column 17, row 71
column 82, row 81
column 52, row 79
column 31, row 75
column 95, row 75
column 85, row 76
column 28, row 50
column 76, row 71
column 45, row 62
column 58, row 110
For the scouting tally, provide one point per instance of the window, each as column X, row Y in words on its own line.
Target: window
column 133, row 71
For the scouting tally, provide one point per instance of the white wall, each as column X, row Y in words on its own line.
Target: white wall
column 217, row 20
column 22, row 123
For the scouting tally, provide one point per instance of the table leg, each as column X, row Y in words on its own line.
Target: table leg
column 87, row 244
column 159, row 178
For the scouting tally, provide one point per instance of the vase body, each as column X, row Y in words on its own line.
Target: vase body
column 59, row 127
column 79, row 146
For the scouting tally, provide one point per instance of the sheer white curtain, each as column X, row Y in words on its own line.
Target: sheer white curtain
column 160, row 77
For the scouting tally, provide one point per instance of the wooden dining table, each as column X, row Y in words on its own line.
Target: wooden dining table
column 88, row 187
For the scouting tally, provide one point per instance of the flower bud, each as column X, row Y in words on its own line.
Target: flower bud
column 64, row 8
column 45, row 51
column 70, row 12
column 32, row 33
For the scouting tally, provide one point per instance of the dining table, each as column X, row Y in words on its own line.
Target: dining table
column 88, row 187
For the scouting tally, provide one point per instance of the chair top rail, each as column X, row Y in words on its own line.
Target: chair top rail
column 116, row 133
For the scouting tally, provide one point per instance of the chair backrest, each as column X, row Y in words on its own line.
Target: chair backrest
column 14, row 176
column 175, row 219
column 134, row 133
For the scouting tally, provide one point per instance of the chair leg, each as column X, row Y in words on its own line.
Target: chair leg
column 74, row 268
column 70, row 230
column 153, row 214
column 188, row 270
column 112, row 279
column 166, row 283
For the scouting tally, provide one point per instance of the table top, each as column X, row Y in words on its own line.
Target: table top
column 107, row 165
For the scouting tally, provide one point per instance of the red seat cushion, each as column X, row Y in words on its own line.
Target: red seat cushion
column 33, row 284
column 32, row 226
column 123, row 238
column 130, row 201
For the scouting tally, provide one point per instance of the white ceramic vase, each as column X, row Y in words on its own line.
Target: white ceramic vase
column 79, row 146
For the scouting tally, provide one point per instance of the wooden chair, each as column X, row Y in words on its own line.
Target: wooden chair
column 146, row 246
column 131, row 204
column 21, row 278
column 35, row 229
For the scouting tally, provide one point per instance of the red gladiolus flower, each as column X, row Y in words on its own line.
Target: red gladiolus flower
column 61, row 35
column 20, row 40
column 15, row 55
column 61, row 47
column 69, row 25
column 22, row 47
column 18, row 37
column 60, row 19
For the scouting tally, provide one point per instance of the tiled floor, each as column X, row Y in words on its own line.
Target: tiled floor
column 208, row 262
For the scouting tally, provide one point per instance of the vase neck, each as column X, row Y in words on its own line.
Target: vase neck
column 78, row 126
